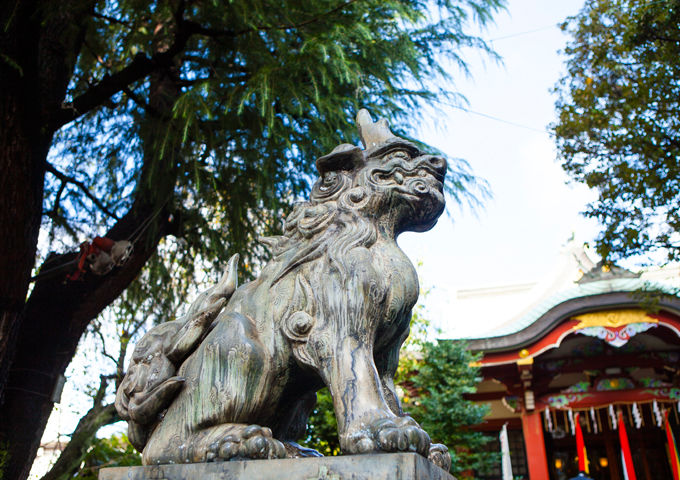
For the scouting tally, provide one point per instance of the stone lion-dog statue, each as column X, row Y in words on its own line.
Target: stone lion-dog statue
column 237, row 376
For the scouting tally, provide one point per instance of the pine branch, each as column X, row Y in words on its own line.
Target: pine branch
column 65, row 178
column 139, row 101
column 215, row 33
column 142, row 66
column 111, row 19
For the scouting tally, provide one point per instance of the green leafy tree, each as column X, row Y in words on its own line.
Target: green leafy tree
column 114, row 451
column 619, row 113
column 445, row 374
column 188, row 124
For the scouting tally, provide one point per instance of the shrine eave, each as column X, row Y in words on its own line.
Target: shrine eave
column 547, row 317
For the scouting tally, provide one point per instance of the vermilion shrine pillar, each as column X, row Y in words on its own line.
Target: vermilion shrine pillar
column 537, row 460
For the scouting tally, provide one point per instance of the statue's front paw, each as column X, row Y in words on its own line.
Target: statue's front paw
column 398, row 434
column 254, row 442
column 439, row 455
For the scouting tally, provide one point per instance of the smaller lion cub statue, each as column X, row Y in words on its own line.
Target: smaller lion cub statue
column 237, row 376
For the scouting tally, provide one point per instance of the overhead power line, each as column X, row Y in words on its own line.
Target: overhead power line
column 497, row 119
column 523, row 33
column 556, row 26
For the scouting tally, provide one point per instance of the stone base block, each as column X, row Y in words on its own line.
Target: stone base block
column 394, row 466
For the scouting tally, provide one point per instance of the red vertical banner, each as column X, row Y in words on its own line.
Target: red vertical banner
column 628, row 469
column 672, row 450
column 580, row 447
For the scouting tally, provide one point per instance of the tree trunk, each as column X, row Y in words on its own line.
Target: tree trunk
column 58, row 310
column 23, row 150
column 39, row 42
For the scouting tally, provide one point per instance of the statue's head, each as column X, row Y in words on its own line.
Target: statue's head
column 390, row 179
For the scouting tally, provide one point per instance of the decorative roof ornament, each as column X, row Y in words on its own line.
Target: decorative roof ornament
column 612, row 318
column 605, row 271
column 615, row 327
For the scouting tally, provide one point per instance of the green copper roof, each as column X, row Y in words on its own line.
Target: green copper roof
column 582, row 290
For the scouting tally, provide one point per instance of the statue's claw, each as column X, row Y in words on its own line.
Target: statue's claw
column 144, row 408
column 295, row 450
column 439, row 455
column 399, row 434
column 187, row 338
column 252, row 442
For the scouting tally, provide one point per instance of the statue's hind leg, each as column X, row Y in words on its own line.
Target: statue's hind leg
column 230, row 380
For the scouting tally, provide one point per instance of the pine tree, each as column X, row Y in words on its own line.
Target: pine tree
column 446, row 373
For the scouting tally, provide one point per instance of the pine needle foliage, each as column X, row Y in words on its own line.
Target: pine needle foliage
column 444, row 376
column 619, row 115
column 256, row 91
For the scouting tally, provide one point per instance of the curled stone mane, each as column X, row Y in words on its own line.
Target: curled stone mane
column 331, row 224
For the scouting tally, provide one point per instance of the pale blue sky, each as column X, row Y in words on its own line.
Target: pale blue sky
column 518, row 235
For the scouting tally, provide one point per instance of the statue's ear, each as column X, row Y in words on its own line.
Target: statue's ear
column 343, row 157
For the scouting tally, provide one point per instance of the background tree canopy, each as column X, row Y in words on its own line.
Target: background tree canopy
column 619, row 118
column 188, row 124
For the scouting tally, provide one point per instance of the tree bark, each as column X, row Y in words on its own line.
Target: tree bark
column 39, row 42
column 23, row 149
column 58, row 310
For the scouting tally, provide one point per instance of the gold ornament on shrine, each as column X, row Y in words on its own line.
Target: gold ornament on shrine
column 613, row 318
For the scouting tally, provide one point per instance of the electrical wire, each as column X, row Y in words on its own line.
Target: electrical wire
column 497, row 119
column 522, row 33
column 556, row 26
column 147, row 223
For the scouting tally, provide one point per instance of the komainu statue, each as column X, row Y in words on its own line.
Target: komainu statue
column 237, row 376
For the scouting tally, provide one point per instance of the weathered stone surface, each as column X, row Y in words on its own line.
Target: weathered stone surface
column 237, row 376
column 399, row 466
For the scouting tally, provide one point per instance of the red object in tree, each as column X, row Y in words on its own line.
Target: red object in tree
column 629, row 470
column 91, row 251
column 581, row 447
column 104, row 244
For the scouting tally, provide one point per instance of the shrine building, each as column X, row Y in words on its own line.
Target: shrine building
column 596, row 348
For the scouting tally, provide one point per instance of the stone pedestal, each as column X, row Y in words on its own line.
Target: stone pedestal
column 394, row 466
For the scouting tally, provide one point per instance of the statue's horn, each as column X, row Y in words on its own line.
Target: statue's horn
column 372, row 133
